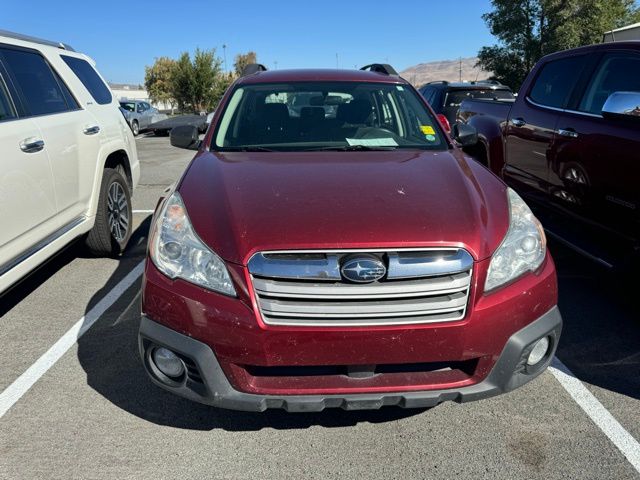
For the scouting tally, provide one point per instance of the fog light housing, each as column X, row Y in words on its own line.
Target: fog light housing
column 168, row 362
column 539, row 351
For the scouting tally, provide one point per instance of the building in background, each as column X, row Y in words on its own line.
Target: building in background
column 630, row 32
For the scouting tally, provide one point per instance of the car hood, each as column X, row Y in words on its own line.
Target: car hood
column 241, row 202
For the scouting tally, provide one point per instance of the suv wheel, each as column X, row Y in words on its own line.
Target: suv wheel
column 135, row 128
column 112, row 228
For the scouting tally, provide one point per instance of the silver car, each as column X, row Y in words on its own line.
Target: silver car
column 139, row 114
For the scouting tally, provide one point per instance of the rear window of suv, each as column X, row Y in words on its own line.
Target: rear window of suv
column 307, row 116
column 456, row 97
column 89, row 78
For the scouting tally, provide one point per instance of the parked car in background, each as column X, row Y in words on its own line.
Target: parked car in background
column 69, row 159
column 354, row 260
column 570, row 143
column 210, row 118
column 164, row 126
column 139, row 114
column 445, row 97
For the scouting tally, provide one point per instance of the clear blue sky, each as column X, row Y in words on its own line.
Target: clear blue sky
column 124, row 36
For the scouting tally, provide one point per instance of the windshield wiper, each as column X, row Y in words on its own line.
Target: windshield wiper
column 351, row 148
column 248, row 149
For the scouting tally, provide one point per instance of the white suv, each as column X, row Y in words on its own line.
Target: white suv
column 68, row 159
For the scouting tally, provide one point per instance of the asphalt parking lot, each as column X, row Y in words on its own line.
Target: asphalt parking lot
column 83, row 408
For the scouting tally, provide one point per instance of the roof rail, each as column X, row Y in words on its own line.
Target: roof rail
column 27, row 38
column 253, row 68
column 383, row 68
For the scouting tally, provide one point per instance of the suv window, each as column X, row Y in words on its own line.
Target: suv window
column 456, row 97
column 6, row 108
column 89, row 78
column 617, row 72
column 41, row 89
column 428, row 93
column 555, row 81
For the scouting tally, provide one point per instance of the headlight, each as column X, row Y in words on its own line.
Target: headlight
column 523, row 248
column 178, row 252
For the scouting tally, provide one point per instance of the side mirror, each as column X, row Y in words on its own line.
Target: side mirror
column 185, row 136
column 464, row 134
column 622, row 105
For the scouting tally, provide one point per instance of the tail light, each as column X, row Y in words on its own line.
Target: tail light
column 444, row 122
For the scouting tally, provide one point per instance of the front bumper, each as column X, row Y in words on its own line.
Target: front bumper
column 213, row 388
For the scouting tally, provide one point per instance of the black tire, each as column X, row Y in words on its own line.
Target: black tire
column 120, row 169
column 135, row 128
column 109, row 239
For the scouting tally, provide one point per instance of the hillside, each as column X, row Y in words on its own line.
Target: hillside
column 444, row 70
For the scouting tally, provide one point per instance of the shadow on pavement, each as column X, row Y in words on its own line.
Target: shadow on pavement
column 22, row 289
column 600, row 340
column 108, row 353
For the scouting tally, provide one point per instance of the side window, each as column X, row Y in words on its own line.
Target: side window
column 617, row 72
column 555, row 81
column 89, row 78
column 140, row 108
column 6, row 107
column 147, row 106
column 41, row 89
column 428, row 94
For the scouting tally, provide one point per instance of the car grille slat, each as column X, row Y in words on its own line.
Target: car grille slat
column 425, row 294
column 396, row 289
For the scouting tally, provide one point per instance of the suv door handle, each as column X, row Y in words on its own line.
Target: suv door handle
column 31, row 145
column 568, row 132
column 91, row 130
column 518, row 122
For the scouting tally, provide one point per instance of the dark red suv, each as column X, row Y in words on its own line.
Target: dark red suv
column 330, row 246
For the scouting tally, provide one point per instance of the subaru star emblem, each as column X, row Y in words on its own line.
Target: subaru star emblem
column 363, row 269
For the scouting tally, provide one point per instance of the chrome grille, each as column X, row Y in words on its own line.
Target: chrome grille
column 306, row 288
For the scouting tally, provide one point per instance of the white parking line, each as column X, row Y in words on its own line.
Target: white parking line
column 143, row 211
column 622, row 439
column 24, row 382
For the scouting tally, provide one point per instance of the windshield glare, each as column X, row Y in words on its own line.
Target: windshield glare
column 304, row 116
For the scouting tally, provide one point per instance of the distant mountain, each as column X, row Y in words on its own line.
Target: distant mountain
column 448, row 70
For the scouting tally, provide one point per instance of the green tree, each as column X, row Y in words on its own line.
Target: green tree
column 222, row 84
column 529, row 29
column 157, row 81
column 242, row 60
column 194, row 81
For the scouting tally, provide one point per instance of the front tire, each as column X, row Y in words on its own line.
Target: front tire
column 113, row 225
column 135, row 128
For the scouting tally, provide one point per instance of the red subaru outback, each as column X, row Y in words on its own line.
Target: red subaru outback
column 330, row 246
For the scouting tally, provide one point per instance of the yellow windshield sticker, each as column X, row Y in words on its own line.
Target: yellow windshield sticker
column 427, row 129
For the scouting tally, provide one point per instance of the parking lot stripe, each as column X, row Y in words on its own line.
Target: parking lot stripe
column 24, row 382
column 622, row 439
column 143, row 211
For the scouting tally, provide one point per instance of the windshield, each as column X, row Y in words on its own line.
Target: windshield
column 129, row 106
column 306, row 116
